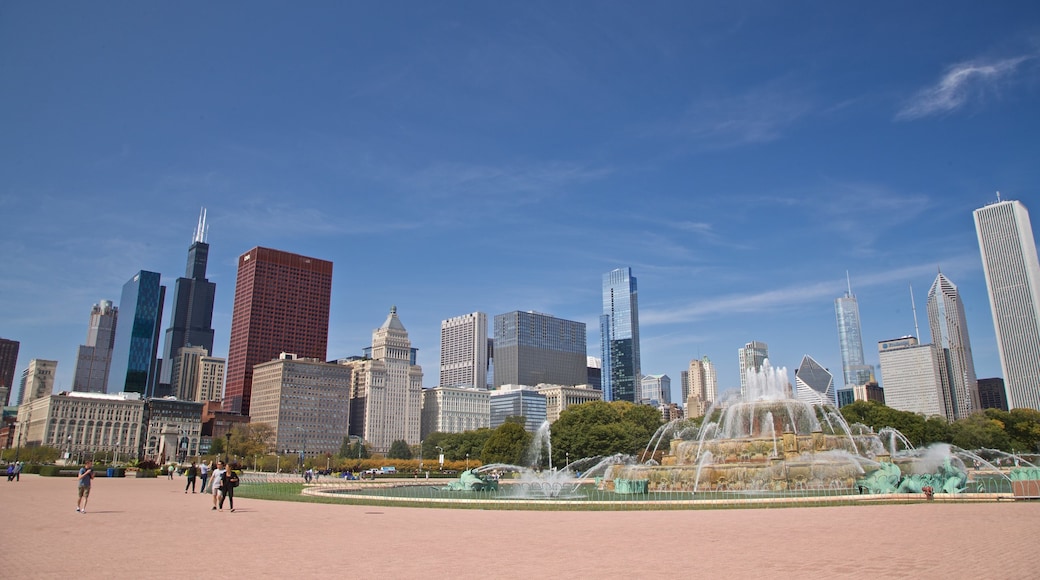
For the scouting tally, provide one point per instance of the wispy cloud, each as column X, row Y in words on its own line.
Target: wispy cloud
column 961, row 83
column 771, row 301
column 759, row 115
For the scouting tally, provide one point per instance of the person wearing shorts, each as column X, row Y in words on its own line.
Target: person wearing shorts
column 86, row 475
column 215, row 478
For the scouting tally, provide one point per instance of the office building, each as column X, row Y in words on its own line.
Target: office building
column 281, row 305
column 173, row 430
column 855, row 371
column 992, row 394
column 305, row 401
column 134, row 366
column 455, row 410
column 910, row 373
column 8, row 368
column 655, row 390
column 619, row 336
column 702, row 383
column 558, row 398
column 533, row 348
column 949, row 328
column 868, row 392
column 191, row 322
column 196, row 375
column 464, row 351
column 95, row 357
column 518, row 401
column 751, row 356
column 814, row 384
column 81, row 425
column 1009, row 261
column 38, row 380
column 594, row 373
column 386, row 389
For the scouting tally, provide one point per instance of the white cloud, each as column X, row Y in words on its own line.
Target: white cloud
column 961, row 83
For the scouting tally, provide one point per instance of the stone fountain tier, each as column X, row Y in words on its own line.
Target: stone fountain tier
column 763, row 449
column 773, row 475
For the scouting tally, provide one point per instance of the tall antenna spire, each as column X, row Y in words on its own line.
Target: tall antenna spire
column 201, row 230
column 849, row 281
column 998, row 197
column 913, row 306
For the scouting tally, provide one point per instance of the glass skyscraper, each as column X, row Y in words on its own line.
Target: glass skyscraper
column 191, row 322
column 533, row 348
column 1009, row 261
column 855, row 371
column 949, row 329
column 619, row 336
column 134, row 363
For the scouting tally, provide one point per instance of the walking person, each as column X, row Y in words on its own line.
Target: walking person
column 204, row 475
column 86, row 474
column 170, row 470
column 192, row 470
column 218, row 475
column 18, row 470
column 228, row 483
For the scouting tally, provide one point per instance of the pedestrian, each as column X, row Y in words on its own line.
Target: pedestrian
column 218, row 474
column 204, row 475
column 18, row 470
column 228, row 483
column 10, row 472
column 169, row 470
column 191, row 478
column 86, row 474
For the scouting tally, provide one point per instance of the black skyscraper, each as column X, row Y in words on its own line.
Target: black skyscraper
column 191, row 323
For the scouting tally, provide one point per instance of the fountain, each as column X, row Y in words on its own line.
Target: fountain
column 768, row 441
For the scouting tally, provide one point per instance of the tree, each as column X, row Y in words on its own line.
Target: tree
column 506, row 444
column 356, row 451
column 601, row 428
column 249, row 439
column 399, row 450
column 216, row 446
column 458, row 445
column 979, row 431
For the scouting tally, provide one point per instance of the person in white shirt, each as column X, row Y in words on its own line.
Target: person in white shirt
column 216, row 477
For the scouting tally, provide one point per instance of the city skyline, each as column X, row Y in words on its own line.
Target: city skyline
column 739, row 159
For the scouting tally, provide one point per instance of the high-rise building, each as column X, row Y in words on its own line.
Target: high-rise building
column 1009, row 261
column 518, row 401
column 95, row 357
column 619, row 336
column 855, row 371
column 197, row 376
column 558, row 398
column 191, row 322
column 8, row 367
column 992, row 394
column 814, row 384
column 751, row 356
column 949, row 329
column 656, row 390
column 910, row 373
column 464, row 351
column 305, row 401
column 455, row 409
column 69, row 422
column 38, row 380
column 386, row 388
column 134, row 364
column 594, row 372
column 533, row 348
column 702, row 380
column 281, row 305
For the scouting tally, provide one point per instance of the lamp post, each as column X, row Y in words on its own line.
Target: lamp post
column 227, row 448
column 467, row 462
column 420, row 458
column 68, row 450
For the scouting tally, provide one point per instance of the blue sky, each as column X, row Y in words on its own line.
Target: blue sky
column 454, row 157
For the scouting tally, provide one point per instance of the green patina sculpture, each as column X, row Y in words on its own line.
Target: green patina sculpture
column 885, row 479
column 888, row 479
column 470, row 480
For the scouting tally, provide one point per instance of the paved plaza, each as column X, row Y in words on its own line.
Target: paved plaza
column 149, row 528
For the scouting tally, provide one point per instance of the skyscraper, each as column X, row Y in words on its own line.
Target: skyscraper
column 464, row 351
column 619, row 336
column 95, row 357
column 191, row 322
column 533, row 348
column 702, row 386
column 38, row 380
column 949, row 329
column 8, row 367
column 855, row 371
column 813, row 383
column 751, row 356
column 386, row 388
column 134, row 364
column 656, row 390
column 1009, row 261
column 281, row 305
column 910, row 373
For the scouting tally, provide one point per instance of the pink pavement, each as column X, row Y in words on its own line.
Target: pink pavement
column 149, row 528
